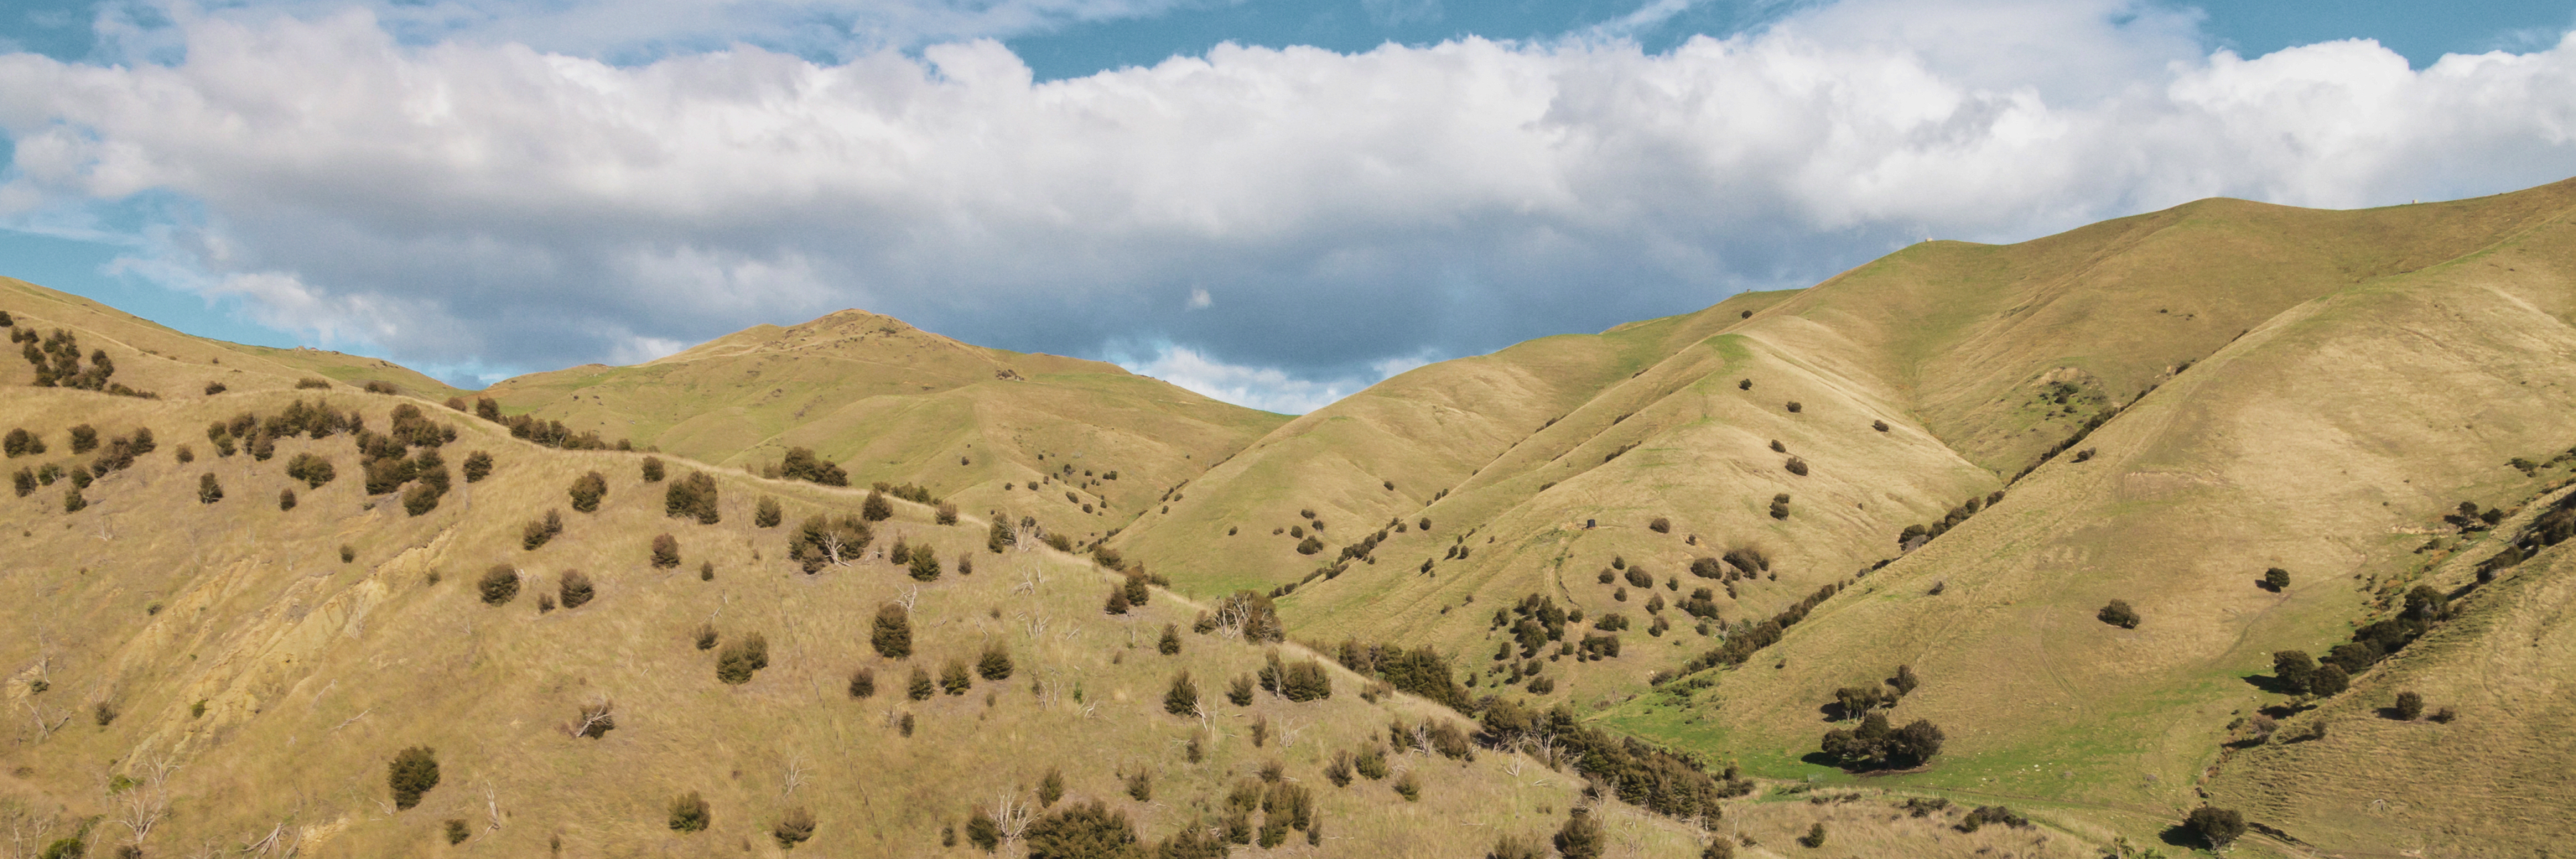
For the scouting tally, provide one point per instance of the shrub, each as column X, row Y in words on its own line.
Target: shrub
column 876, row 508
column 2119, row 614
column 768, row 514
column 1309, row 546
column 995, row 664
column 666, row 552
column 693, row 496
column 1050, row 787
column 2330, row 680
column 209, row 490
column 793, row 828
column 954, row 679
column 313, row 470
column 1797, row 466
column 587, row 490
column 653, row 472
column 863, row 683
column 1409, row 786
column 2218, row 827
column 689, row 813
column 1371, row 762
column 72, row 500
column 1661, row 525
column 740, row 659
column 68, row 848
column 924, row 566
column 801, row 464
column 2293, row 669
column 1117, row 602
column 285, row 499
column 419, row 499
column 1874, row 745
column 456, row 829
column 576, row 589
column 413, row 772
column 1815, row 836
column 499, row 585
column 348, row 553
column 919, row 688
column 1780, row 506
column 20, row 442
column 1880, row 426
column 84, row 438
column 1082, row 831
column 1183, row 699
column 893, row 634
column 946, row 514
column 310, row 383
column 1170, row 645
column 1239, row 691
column 1795, row 408
column 2277, row 579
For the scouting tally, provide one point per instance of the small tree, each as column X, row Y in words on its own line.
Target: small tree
column 2217, row 826
column 954, row 679
column 285, row 499
column 893, row 634
column 1051, row 787
column 2277, row 579
column 1170, row 645
column 576, row 589
column 587, row 490
column 2119, row 614
column 1117, row 603
column 924, row 566
column 419, row 499
column 2410, row 706
column 1183, row 699
column 666, row 552
column 996, row 663
column 983, row 831
column 499, row 585
column 793, row 828
column 478, row 465
column 863, row 683
column 919, row 688
column 2330, row 680
column 1815, row 836
column 653, row 469
column 876, row 508
column 413, row 772
column 689, row 813
column 208, row 490
column 1581, row 837
column 769, row 513
column 2294, row 669
column 740, row 659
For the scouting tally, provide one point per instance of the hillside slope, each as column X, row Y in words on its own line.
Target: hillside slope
column 896, row 404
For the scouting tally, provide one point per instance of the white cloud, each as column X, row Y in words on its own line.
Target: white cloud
column 1264, row 388
column 465, row 199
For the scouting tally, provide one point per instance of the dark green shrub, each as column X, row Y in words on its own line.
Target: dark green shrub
column 348, row 553
column 863, row 683
column 1780, row 506
column 456, row 829
column 413, row 772
column 2119, row 614
column 1082, row 831
column 689, row 812
column 995, row 664
column 499, row 585
column 919, row 688
column 924, row 566
column 2330, row 680
column 1880, row 426
column 666, row 552
column 419, row 499
column 876, row 508
column 285, row 499
column 1796, row 466
column 2293, row 669
column 706, row 571
column 1140, row 786
column 2218, row 827
column 20, row 442
column 1138, row 590
column 793, row 828
column 954, row 679
column 1170, row 645
column 692, row 497
column 1795, row 408
column 67, row 848
column 1581, row 837
column 1000, row 535
column 24, row 482
column 2276, row 579
column 945, row 514
column 1309, row 546
column 1874, row 745
column 576, row 589
column 536, row 533
column 84, row 438
column 1239, row 692
column 892, row 636
column 983, row 831
column 653, row 472
column 209, row 490
column 705, row 636
column 1117, row 602
column 1183, row 698
column 801, row 464
column 769, row 513
column 1815, row 836
column 1050, row 787
column 742, row 658
column 587, row 490
column 2409, row 707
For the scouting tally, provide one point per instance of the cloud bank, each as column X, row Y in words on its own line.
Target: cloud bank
column 1284, row 222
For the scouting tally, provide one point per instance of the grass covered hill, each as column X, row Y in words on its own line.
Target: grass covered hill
column 893, row 403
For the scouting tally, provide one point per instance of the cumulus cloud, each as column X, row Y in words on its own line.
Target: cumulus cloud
column 1287, row 219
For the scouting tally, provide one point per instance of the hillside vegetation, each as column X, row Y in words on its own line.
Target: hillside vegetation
column 2230, row 524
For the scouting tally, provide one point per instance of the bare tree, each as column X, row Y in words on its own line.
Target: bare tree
column 492, row 807
column 598, row 715
column 27, row 827
column 1014, row 817
column 911, row 596
column 143, row 806
column 795, row 776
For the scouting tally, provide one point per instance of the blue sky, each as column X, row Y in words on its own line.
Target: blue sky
column 1312, row 196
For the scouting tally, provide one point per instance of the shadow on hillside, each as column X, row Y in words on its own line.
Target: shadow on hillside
column 2177, row 836
column 2269, row 683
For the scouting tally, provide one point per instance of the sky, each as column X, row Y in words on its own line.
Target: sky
column 1273, row 203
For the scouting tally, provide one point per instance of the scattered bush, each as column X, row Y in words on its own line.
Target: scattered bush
column 1082, row 831
column 72, row 500
column 653, row 471
column 690, row 497
column 1661, row 525
column 983, row 831
column 1409, row 786
column 892, row 636
column 1309, row 546
column 995, row 664
column 499, row 585
column 413, row 772
column 1140, row 786
column 1874, row 745
column 420, row 499
column 768, row 514
column 2276, row 579
column 209, row 490
column 84, row 438
column 1880, row 426
column 20, row 442
column 285, row 499
column 802, row 464
column 2119, row 614
column 954, row 679
column 739, row 660
column 1183, row 699
column 1780, row 506
column 1815, row 836
column 1795, row 408
column 1050, row 787
column 666, row 552
column 2330, row 680
column 689, row 812
column 457, row 832
column 348, row 553
column 924, row 566
column 828, row 540
column 537, row 532
column 2218, row 827
column 313, row 470
column 876, row 508
column 793, row 828
column 576, row 589
column 919, row 688
column 1797, row 466
column 587, row 490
